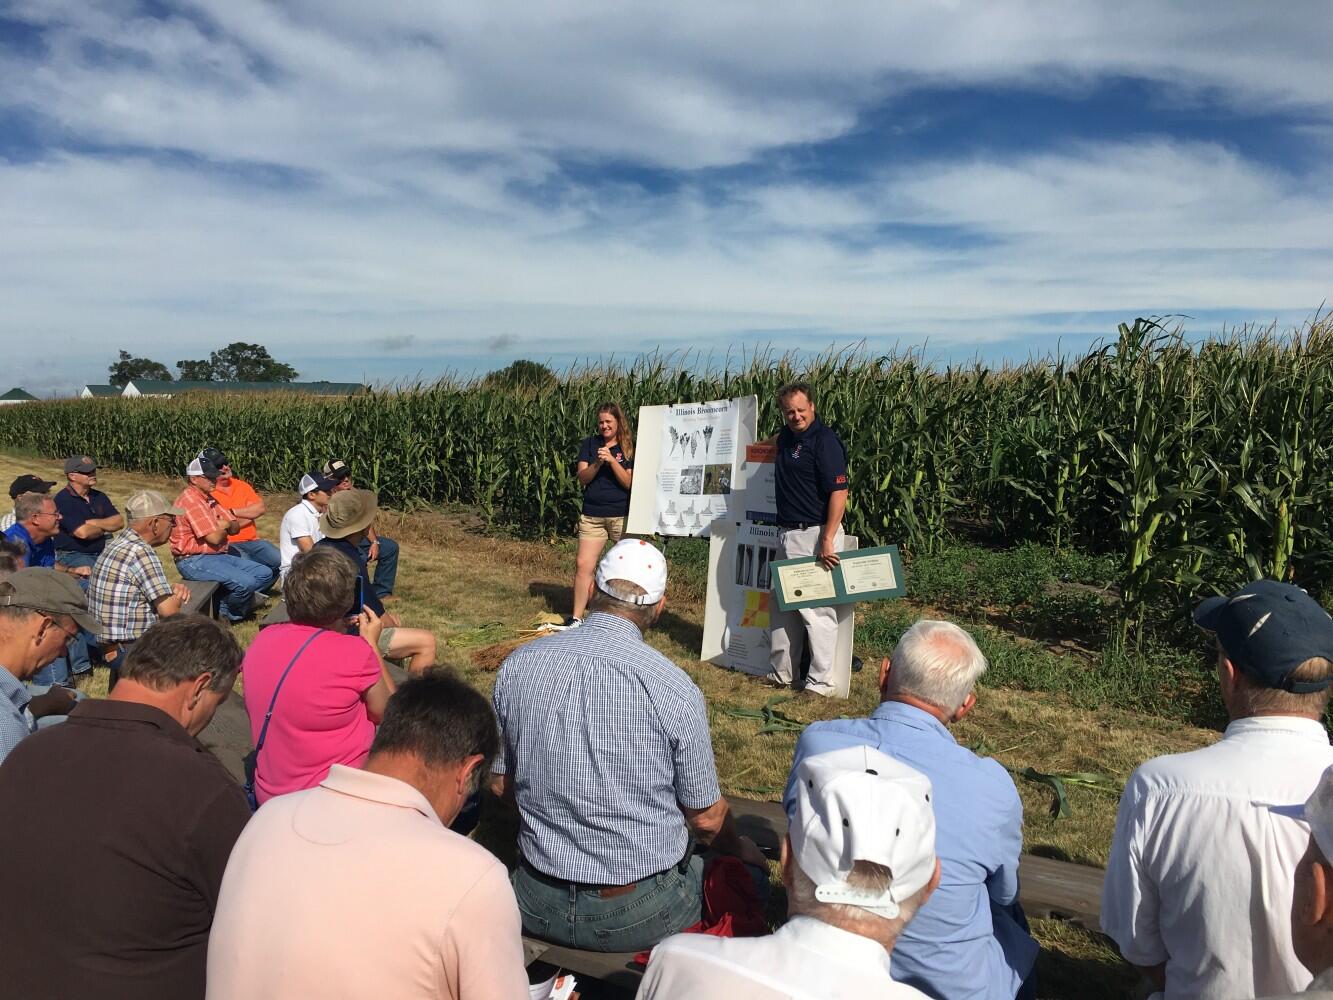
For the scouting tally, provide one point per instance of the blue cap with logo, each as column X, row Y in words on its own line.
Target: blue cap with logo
column 1268, row 629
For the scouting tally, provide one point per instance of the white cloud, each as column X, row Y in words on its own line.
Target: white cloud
column 412, row 128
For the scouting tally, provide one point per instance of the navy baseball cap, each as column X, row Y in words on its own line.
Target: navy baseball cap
column 1268, row 629
column 214, row 457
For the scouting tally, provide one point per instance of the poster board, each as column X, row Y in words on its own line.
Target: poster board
column 688, row 464
column 874, row 574
column 740, row 605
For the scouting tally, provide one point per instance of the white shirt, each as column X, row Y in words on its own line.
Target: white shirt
column 1201, row 870
column 356, row 889
column 301, row 521
column 805, row 959
column 7, row 521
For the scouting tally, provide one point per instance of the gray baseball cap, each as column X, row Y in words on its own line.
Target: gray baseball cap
column 50, row 593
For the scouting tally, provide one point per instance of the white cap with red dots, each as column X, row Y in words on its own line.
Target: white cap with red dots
column 637, row 562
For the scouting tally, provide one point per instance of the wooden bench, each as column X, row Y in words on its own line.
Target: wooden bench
column 277, row 615
column 204, row 598
column 1049, row 888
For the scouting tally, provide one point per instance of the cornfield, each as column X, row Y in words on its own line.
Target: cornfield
column 1198, row 466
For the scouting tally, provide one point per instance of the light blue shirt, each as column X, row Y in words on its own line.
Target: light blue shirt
column 602, row 737
column 967, row 941
column 15, row 724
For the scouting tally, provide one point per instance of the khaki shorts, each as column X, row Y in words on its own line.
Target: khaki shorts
column 386, row 640
column 601, row 527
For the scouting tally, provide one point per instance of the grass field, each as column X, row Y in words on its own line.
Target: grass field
column 1050, row 701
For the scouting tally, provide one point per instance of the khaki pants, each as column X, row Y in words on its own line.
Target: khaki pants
column 791, row 628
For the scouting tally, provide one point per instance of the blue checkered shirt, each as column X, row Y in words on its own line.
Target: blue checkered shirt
column 15, row 724
column 126, row 580
column 603, row 736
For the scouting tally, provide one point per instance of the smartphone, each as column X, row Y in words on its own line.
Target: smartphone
column 358, row 598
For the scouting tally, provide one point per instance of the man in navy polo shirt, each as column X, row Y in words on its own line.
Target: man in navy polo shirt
column 87, row 517
column 811, row 478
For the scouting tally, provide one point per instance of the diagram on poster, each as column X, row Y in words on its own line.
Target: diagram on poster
column 696, row 466
column 740, row 605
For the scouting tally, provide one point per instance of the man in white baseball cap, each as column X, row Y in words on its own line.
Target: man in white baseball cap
column 858, row 862
column 606, row 750
column 300, row 525
column 1312, row 900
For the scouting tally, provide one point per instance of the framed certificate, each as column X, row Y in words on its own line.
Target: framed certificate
column 874, row 574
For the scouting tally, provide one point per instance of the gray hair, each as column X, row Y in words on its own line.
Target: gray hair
column 28, row 504
column 937, row 662
column 616, row 597
column 801, row 901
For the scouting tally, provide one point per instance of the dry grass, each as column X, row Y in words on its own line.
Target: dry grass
column 473, row 590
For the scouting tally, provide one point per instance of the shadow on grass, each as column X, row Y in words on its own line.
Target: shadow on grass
column 1064, row 975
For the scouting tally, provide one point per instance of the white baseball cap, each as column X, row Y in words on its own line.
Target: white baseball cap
column 311, row 482
column 199, row 467
column 637, row 562
column 857, row 804
column 1318, row 812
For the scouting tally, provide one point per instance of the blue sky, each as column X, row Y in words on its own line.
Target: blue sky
column 399, row 190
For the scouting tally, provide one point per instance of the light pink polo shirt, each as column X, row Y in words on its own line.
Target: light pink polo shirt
column 356, row 889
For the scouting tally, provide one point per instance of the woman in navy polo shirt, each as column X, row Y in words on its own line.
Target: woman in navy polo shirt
column 606, row 470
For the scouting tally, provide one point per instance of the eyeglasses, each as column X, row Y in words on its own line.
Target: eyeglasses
column 48, row 513
column 171, row 519
column 69, row 636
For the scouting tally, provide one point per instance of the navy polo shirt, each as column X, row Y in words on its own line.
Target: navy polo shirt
column 353, row 553
column 34, row 555
column 604, row 496
column 74, row 511
column 809, row 468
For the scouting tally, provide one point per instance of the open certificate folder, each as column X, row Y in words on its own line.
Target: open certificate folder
column 874, row 574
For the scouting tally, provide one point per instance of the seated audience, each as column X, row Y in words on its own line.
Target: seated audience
column 135, row 820
column 607, row 753
column 199, row 544
column 358, row 889
column 333, row 686
column 344, row 525
column 383, row 552
column 971, row 938
column 129, row 590
column 87, row 516
column 1312, row 896
column 35, row 526
column 299, row 530
column 858, row 862
column 40, row 612
column 11, row 556
column 26, row 483
column 247, row 506
column 1198, row 885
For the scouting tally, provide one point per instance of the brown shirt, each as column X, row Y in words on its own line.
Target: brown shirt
column 118, row 825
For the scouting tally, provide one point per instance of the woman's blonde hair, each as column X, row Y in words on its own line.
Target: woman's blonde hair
column 624, row 432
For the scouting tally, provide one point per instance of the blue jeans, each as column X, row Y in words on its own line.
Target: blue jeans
column 386, row 566
column 659, row 906
column 76, row 659
column 262, row 552
column 240, row 578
